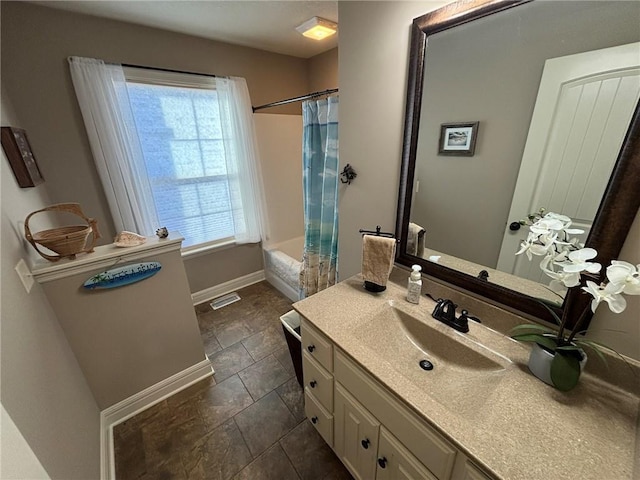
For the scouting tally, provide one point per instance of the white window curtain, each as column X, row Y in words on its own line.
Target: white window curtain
column 104, row 102
column 102, row 96
column 243, row 165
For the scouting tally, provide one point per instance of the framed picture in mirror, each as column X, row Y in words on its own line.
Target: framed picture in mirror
column 458, row 139
column 18, row 151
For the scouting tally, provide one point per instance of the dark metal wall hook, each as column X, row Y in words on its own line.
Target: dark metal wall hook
column 348, row 173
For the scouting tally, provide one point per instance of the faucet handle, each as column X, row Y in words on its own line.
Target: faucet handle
column 437, row 310
column 462, row 321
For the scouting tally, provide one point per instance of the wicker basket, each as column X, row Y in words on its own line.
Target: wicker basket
column 65, row 241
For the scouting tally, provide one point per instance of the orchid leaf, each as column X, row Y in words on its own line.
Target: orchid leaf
column 550, row 303
column 553, row 314
column 565, row 372
column 593, row 346
column 537, row 338
column 531, row 326
column 596, row 346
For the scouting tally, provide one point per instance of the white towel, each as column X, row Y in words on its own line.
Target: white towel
column 415, row 240
column 378, row 254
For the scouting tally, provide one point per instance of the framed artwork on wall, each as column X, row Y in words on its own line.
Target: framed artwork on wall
column 458, row 139
column 23, row 162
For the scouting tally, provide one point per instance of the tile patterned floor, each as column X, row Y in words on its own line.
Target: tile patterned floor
column 247, row 422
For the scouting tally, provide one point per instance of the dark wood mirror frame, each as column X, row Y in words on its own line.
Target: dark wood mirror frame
column 615, row 214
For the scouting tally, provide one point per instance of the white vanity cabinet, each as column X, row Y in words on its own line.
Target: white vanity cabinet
column 368, row 449
column 373, row 433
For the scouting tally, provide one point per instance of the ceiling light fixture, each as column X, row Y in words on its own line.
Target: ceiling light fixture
column 318, row 28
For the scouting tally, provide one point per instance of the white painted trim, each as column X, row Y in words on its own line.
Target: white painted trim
column 283, row 287
column 105, row 256
column 227, row 287
column 133, row 405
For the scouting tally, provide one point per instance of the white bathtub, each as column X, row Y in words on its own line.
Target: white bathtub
column 282, row 265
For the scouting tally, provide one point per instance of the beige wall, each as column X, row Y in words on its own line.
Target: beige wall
column 373, row 76
column 489, row 71
column 280, row 143
column 322, row 74
column 323, row 71
column 223, row 265
column 43, row 389
column 129, row 339
column 372, row 97
column 35, row 44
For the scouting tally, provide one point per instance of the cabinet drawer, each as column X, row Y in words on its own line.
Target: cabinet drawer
column 318, row 381
column 429, row 447
column 321, row 420
column 316, row 345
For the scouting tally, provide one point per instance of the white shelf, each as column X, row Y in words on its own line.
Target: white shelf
column 104, row 256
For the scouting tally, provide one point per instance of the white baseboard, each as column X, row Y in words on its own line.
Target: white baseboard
column 283, row 287
column 227, row 287
column 133, row 405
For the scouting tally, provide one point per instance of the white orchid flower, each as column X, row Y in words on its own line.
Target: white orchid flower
column 546, row 225
column 574, row 243
column 525, row 247
column 577, row 261
column 625, row 274
column 610, row 293
column 561, row 280
column 561, row 223
column 531, row 246
column 558, row 216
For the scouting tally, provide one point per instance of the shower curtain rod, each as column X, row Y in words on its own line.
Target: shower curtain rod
column 296, row 99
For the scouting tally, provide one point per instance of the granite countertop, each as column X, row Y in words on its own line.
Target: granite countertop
column 509, row 422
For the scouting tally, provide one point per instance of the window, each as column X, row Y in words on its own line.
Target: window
column 174, row 150
column 177, row 119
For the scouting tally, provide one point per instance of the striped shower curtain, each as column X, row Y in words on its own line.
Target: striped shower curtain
column 320, row 192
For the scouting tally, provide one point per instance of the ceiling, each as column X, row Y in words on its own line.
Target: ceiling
column 263, row 24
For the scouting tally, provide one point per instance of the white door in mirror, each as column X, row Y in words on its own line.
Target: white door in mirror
column 584, row 106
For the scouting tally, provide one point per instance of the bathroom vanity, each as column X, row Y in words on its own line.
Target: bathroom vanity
column 477, row 414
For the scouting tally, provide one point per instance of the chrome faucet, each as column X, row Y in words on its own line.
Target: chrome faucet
column 445, row 311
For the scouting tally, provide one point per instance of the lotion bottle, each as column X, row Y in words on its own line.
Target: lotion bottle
column 414, row 288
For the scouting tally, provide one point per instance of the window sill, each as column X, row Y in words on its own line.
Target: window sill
column 200, row 250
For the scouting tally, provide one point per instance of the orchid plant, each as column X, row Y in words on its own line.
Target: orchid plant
column 566, row 261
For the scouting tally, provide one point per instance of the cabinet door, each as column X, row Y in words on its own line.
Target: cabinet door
column 395, row 462
column 465, row 470
column 355, row 435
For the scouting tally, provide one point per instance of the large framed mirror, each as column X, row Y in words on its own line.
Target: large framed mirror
column 493, row 62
